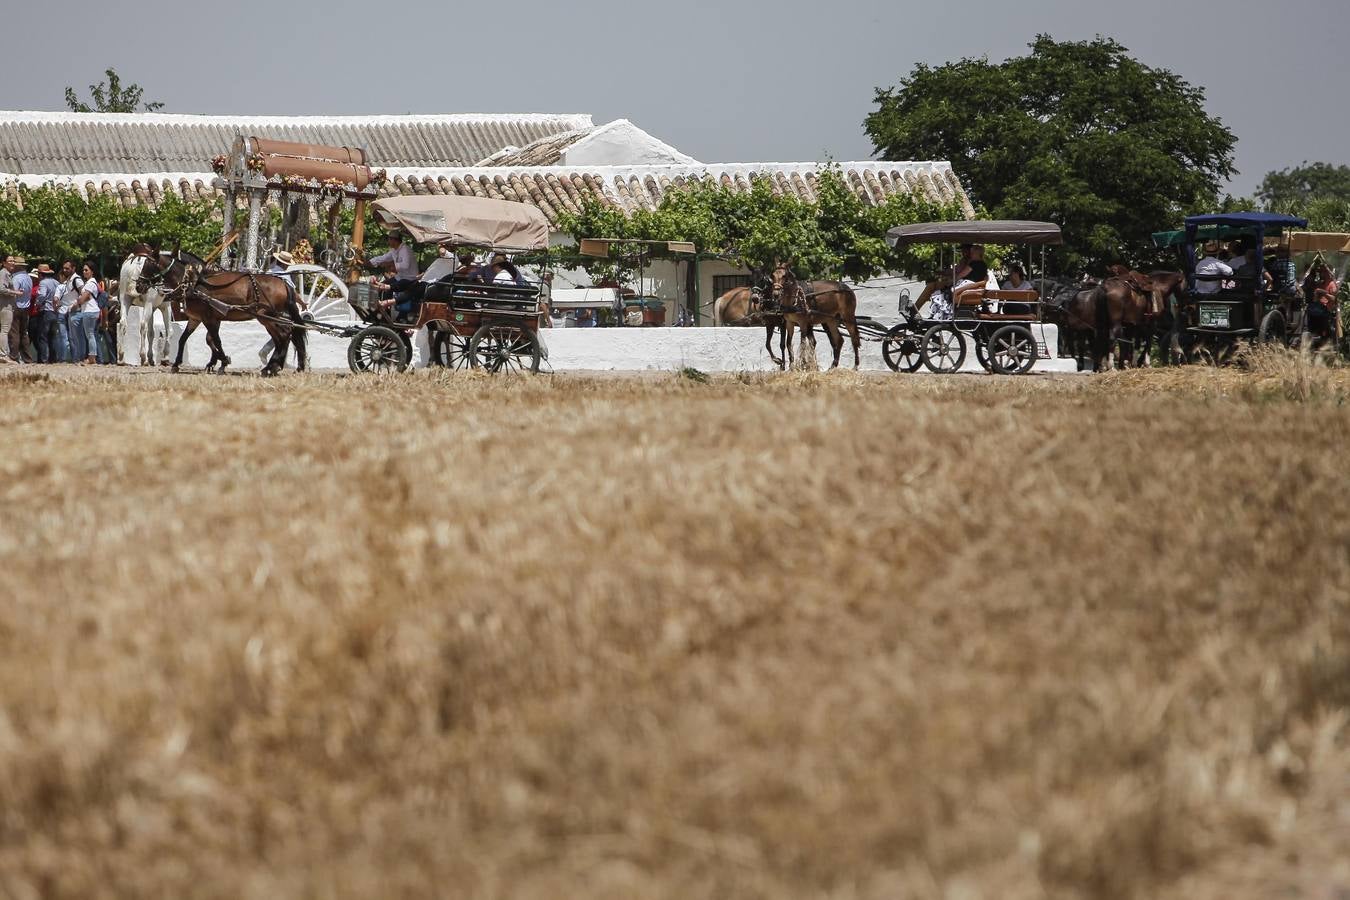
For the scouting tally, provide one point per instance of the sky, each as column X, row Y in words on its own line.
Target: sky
column 726, row 81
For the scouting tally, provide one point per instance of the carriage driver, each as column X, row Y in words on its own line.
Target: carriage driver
column 401, row 255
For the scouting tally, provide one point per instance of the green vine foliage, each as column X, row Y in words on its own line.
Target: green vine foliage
column 53, row 223
column 839, row 236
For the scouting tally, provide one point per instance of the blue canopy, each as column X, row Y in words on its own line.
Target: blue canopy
column 1260, row 224
column 1261, row 221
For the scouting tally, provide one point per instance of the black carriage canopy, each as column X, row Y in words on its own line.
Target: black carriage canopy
column 1004, row 232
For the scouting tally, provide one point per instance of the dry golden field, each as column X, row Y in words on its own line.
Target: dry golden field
column 808, row 635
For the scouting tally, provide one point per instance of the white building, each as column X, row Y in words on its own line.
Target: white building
column 553, row 161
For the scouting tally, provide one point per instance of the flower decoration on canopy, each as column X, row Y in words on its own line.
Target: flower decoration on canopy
column 219, row 164
column 334, row 184
column 256, row 163
column 293, row 181
column 379, row 177
column 303, row 252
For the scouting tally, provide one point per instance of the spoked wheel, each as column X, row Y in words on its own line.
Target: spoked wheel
column 504, row 348
column 377, row 349
column 900, row 349
column 1273, row 329
column 982, row 356
column 450, row 349
column 1012, row 350
column 942, row 349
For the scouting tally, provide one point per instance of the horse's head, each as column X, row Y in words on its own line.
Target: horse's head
column 783, row 282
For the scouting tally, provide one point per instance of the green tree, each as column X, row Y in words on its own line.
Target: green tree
column 111, row 97
column 1078, row 133
column 1304, row 184
column 839, row 236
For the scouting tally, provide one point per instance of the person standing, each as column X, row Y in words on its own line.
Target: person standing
column 84, row 319
column 44, row 313
column 21, row 283
column 7, row 298
column 67, row 299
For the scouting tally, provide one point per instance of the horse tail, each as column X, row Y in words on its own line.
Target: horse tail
column 1101, row 338
column 293, row 310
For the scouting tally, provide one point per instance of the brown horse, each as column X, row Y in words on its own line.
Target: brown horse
column 742, row 307
column 828, row 304
column 215, row 297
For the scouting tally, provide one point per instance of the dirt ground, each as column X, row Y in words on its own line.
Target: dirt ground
column 803, row 635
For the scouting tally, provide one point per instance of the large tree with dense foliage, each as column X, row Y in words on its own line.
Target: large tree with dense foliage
column 838, row 236
column 1078, row 133
column 1305, row 184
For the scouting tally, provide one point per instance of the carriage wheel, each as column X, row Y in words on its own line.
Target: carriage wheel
column 1012, row 350
column 942, row 349
column 1273, row 329
column 377, row 349
column 324, row 296
column 450, row 349
column 982, row 356
column 504, row 348
column 900, row 349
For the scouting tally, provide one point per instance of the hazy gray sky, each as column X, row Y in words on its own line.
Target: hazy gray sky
column 723, row 81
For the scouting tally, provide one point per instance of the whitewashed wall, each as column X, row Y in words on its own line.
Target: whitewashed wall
column 597, row 349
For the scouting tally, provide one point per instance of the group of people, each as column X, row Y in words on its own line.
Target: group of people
column 55, row 315
column 970, row 273
column 402, row 288
column 1235, row 266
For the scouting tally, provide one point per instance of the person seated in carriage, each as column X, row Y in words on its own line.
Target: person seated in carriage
column 505, row 272
column 1016, row 280
column 971, row 274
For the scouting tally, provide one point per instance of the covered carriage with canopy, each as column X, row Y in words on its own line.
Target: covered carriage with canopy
column 1005, row 327
column 470, row 322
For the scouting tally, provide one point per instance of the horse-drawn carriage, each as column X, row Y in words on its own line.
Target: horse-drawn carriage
column 1256, row 299
column 1005, row 328
column 471, row 322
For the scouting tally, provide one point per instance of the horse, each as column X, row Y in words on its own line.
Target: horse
column 806, row 304
column 133, row 289
column 1150, row 315
column 742, row 307
column 215, row 297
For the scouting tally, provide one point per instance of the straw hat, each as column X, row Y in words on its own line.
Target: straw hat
column 284, row 258
column 19, row 261
column 44, row 269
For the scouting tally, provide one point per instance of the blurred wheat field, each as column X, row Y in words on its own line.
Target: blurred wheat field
column 805, row 635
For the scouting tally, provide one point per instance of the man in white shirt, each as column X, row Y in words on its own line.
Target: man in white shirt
column 71, row 286
column 7, row 297
column 1213, row 267
column 401, row 255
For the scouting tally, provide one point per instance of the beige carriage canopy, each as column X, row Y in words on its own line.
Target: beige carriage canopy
column 1007, row 231
column 479, row 221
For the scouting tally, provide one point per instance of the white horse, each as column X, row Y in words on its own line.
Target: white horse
column 129, row 294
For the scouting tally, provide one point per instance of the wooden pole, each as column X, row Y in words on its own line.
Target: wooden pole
column 358, row 240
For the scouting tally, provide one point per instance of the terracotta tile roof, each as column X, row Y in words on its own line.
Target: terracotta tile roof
column 65, row 143
column 560, row 189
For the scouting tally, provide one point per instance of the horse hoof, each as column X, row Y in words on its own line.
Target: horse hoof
column 173, row 369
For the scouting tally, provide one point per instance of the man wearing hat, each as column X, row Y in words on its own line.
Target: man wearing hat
column 1210, row 270
column 401, row 255
column 15, row 286
column 281, row 261
column 47, row 331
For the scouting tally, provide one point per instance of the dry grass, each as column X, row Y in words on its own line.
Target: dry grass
column 800, row 635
